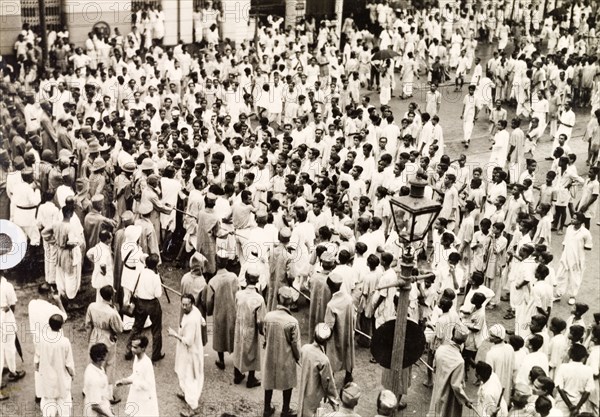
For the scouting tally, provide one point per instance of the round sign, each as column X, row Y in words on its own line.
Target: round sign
column 13, row 244
column 382, row 344
column 102, row 28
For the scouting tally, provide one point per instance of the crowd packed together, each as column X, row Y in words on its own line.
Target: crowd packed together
column 263, row 171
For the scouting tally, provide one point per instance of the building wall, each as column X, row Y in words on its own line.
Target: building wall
column 186, row 25
column 81, row 16
column 10, row 25
column 237, row 23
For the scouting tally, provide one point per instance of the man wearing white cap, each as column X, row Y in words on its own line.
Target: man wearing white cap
column 340, row 317
column 501, row 357
column 250, row 313
column 316, row 378
column 449, row 394
column 282, row 347
column 349, row 396
column 220, row 303
column 386, row 403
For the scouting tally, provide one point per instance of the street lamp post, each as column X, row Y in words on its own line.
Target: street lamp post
column 413, row 217
column 43, row 34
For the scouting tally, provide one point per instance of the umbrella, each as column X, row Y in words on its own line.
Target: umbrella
column 384, row 54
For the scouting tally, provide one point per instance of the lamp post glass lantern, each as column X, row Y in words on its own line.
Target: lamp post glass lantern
column 414, row 214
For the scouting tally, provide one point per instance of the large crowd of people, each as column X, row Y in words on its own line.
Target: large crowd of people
column 264, row 172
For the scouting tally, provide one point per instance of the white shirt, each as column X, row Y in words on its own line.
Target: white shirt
column 149, row 286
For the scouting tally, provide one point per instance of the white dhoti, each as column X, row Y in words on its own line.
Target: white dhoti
column 52, row 407
column 25, row 219
column 50, row 262
column 468, row 125
column 8, row 337
column 192, row 387
column 69, row 281
column 568, row 281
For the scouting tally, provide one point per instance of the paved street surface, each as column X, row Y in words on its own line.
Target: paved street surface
column 220, row 395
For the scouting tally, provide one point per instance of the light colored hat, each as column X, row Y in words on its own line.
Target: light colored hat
column 198, row 261
column 261, row 213
column 65, row 153
column 350, row 394
column 127, row 216
column 98, row 164
column 346, row 233
column 211, row 196
column 97, row 198
column 147, row 164
column 27, row 172
column 522, row 389
column 387, row 400
column 145, row 207
column 461, row 333
column 128, row 167
column 19, row 162
column 132, row 233
column 94, row 147
column 322, row 331
column 285, row 233
column 286, row 292
column 498, row 330
column 253, row 269
column 328, row 256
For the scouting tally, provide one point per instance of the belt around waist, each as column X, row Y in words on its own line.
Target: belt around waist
column 27, row 208
column 143, row 299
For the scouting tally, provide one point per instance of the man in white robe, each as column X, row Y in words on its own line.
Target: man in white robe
column 39, row 312
column 54, row 362
column 501, row 358
column 142, row 399
column 490, row 400
column 189, row 356
column 8, row 330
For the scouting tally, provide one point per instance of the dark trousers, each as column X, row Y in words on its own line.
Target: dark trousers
column 143, row 310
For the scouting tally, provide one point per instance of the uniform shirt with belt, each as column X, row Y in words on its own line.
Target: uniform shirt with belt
column 149, row 286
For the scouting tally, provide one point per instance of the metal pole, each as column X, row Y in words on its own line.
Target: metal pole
column 256, row 17
column 42, row 10
column 394, row 378
column 178, row 21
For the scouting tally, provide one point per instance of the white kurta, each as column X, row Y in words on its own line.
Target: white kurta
column 142, row 400
column 54, row 355
column 8, row 326
column 26, row 200
column 170, row 192
column 488, row 396
column 39, row 312
column 189, row 357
